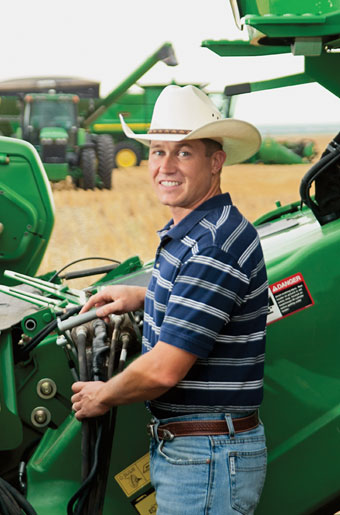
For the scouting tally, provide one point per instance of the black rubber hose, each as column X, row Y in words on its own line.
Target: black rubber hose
column 89, row 271
column 328, row 158
column 19, row 498
column 8, row 506
column 316, row 169
column 80, row 260
column 97, row 496
column 83, row 491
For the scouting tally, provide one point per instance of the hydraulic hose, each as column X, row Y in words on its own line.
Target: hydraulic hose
column 126, row 338
column 13, row 493
column 83, row 491
column 116, row 320
column 99, row 347
column 330, row 156
column 80, row 335
column 90, row 496
column 108, row 433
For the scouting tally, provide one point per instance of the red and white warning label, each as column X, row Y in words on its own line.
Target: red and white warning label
column 287, row 297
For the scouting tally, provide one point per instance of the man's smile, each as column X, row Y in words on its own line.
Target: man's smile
column 169, row 183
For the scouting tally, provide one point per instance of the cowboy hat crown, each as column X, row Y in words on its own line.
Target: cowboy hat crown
column 185, row 113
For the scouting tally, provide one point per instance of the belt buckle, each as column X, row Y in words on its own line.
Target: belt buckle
column 166, row 435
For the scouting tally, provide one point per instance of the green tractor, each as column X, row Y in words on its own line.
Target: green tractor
column 50, row 123
column 57, row 122
column 52, row 464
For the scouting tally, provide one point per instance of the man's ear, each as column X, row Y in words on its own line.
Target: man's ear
column 218, row 159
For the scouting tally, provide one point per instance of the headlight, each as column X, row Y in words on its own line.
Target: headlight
column 61, row 141
column 47, row 141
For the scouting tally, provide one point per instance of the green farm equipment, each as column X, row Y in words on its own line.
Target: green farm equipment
column 52, row 464
column 58, row 123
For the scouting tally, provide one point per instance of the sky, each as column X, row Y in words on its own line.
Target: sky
column 106, row 40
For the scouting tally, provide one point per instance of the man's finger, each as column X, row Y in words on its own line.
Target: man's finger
column 77, row 386
column 107, row 309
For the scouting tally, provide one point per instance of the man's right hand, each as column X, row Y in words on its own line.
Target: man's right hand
column 117, row 299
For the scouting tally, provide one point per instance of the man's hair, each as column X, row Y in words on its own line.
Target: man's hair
column 211, row 146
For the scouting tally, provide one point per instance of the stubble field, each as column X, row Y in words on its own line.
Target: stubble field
column 122, row 222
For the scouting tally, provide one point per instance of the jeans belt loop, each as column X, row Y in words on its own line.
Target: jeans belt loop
column 151, row 428
column 230, row 425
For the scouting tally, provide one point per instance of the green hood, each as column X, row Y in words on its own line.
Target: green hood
column 53, row 133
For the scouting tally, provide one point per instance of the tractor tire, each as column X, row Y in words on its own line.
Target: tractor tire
column 88, row 168
column 127, row 153
column 105, row 157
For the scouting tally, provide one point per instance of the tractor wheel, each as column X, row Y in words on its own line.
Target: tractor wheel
column 88, row 168
column 105, row 156
column 126, row 154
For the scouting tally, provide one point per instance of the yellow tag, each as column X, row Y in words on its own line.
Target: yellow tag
column 146, row 504
column 134, row 477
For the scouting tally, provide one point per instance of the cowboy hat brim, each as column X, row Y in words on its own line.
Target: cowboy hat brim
column 240, row 139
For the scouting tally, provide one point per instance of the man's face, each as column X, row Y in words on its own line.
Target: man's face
column 183, row 175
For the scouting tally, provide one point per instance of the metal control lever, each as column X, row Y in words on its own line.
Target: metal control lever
column 73, row 321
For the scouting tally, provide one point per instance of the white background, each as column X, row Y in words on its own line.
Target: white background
column 106, row 40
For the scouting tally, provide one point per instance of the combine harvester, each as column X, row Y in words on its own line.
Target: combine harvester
column 66, row 128
column 52, row 464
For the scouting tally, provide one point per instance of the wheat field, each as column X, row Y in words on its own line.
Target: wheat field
column 122, row 222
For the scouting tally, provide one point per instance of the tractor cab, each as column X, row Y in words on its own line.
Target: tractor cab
column 50, row 123
column 49, row 111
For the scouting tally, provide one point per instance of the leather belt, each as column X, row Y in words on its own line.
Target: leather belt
column 202, row 427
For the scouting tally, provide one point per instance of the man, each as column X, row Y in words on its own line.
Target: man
column 201, row 370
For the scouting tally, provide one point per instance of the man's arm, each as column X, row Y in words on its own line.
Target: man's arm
column 146, row 378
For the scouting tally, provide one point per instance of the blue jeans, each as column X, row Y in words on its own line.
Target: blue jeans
column 209, row 475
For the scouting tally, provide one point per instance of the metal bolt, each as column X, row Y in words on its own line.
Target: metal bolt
column 46, row 388
column 40, row 416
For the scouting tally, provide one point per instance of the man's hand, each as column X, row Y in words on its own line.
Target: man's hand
column 116, row 299
column 86, row 399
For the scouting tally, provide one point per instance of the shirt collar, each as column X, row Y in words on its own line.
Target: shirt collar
column 178, row 231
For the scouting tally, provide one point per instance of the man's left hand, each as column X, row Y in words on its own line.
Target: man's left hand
column 86, row 399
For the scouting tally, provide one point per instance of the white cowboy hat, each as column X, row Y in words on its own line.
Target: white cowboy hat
column 184, row 113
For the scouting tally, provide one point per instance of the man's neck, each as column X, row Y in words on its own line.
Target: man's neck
column 178, row 212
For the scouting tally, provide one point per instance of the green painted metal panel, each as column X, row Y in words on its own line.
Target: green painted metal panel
column 325, row 69
column 56, row 171
column 26, row 208
column 237, row 48
column 278, row 7
column 301, row 409
column 11, row 433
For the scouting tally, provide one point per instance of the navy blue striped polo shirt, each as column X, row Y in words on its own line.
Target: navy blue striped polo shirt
column 208, row 295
